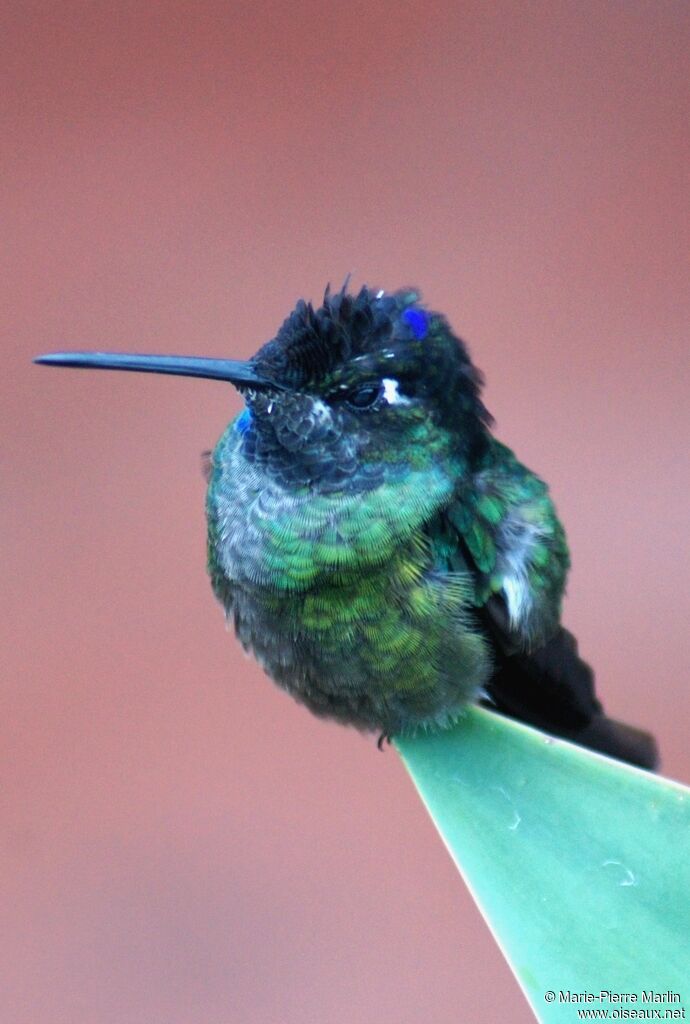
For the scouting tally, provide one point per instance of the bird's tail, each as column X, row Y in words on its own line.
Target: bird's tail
column 553, row 689
column 625, row 742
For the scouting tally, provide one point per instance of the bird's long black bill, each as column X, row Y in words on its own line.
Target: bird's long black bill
column 234, row 371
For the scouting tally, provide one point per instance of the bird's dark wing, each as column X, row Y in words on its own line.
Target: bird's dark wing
column 504, row 531
column 503, row 528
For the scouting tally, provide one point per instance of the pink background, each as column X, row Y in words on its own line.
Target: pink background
column 180, row 843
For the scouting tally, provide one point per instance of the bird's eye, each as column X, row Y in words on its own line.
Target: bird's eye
column 365, row 396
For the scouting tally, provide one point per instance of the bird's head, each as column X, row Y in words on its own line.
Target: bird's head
column 362, row 389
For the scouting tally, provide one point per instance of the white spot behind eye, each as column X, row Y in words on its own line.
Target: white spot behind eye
column 391, row 392
column 379, row 295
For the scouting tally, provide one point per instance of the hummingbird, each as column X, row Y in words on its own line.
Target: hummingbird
column 383, row 556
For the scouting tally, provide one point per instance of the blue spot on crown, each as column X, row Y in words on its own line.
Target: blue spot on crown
column 243, row 422
column 418, row 321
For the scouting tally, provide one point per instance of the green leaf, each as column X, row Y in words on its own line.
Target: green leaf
column 579, row 864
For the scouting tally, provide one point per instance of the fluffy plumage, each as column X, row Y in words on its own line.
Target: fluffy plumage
column 382, row 555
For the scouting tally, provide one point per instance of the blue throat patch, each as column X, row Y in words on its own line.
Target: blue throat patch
column 243, row 422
